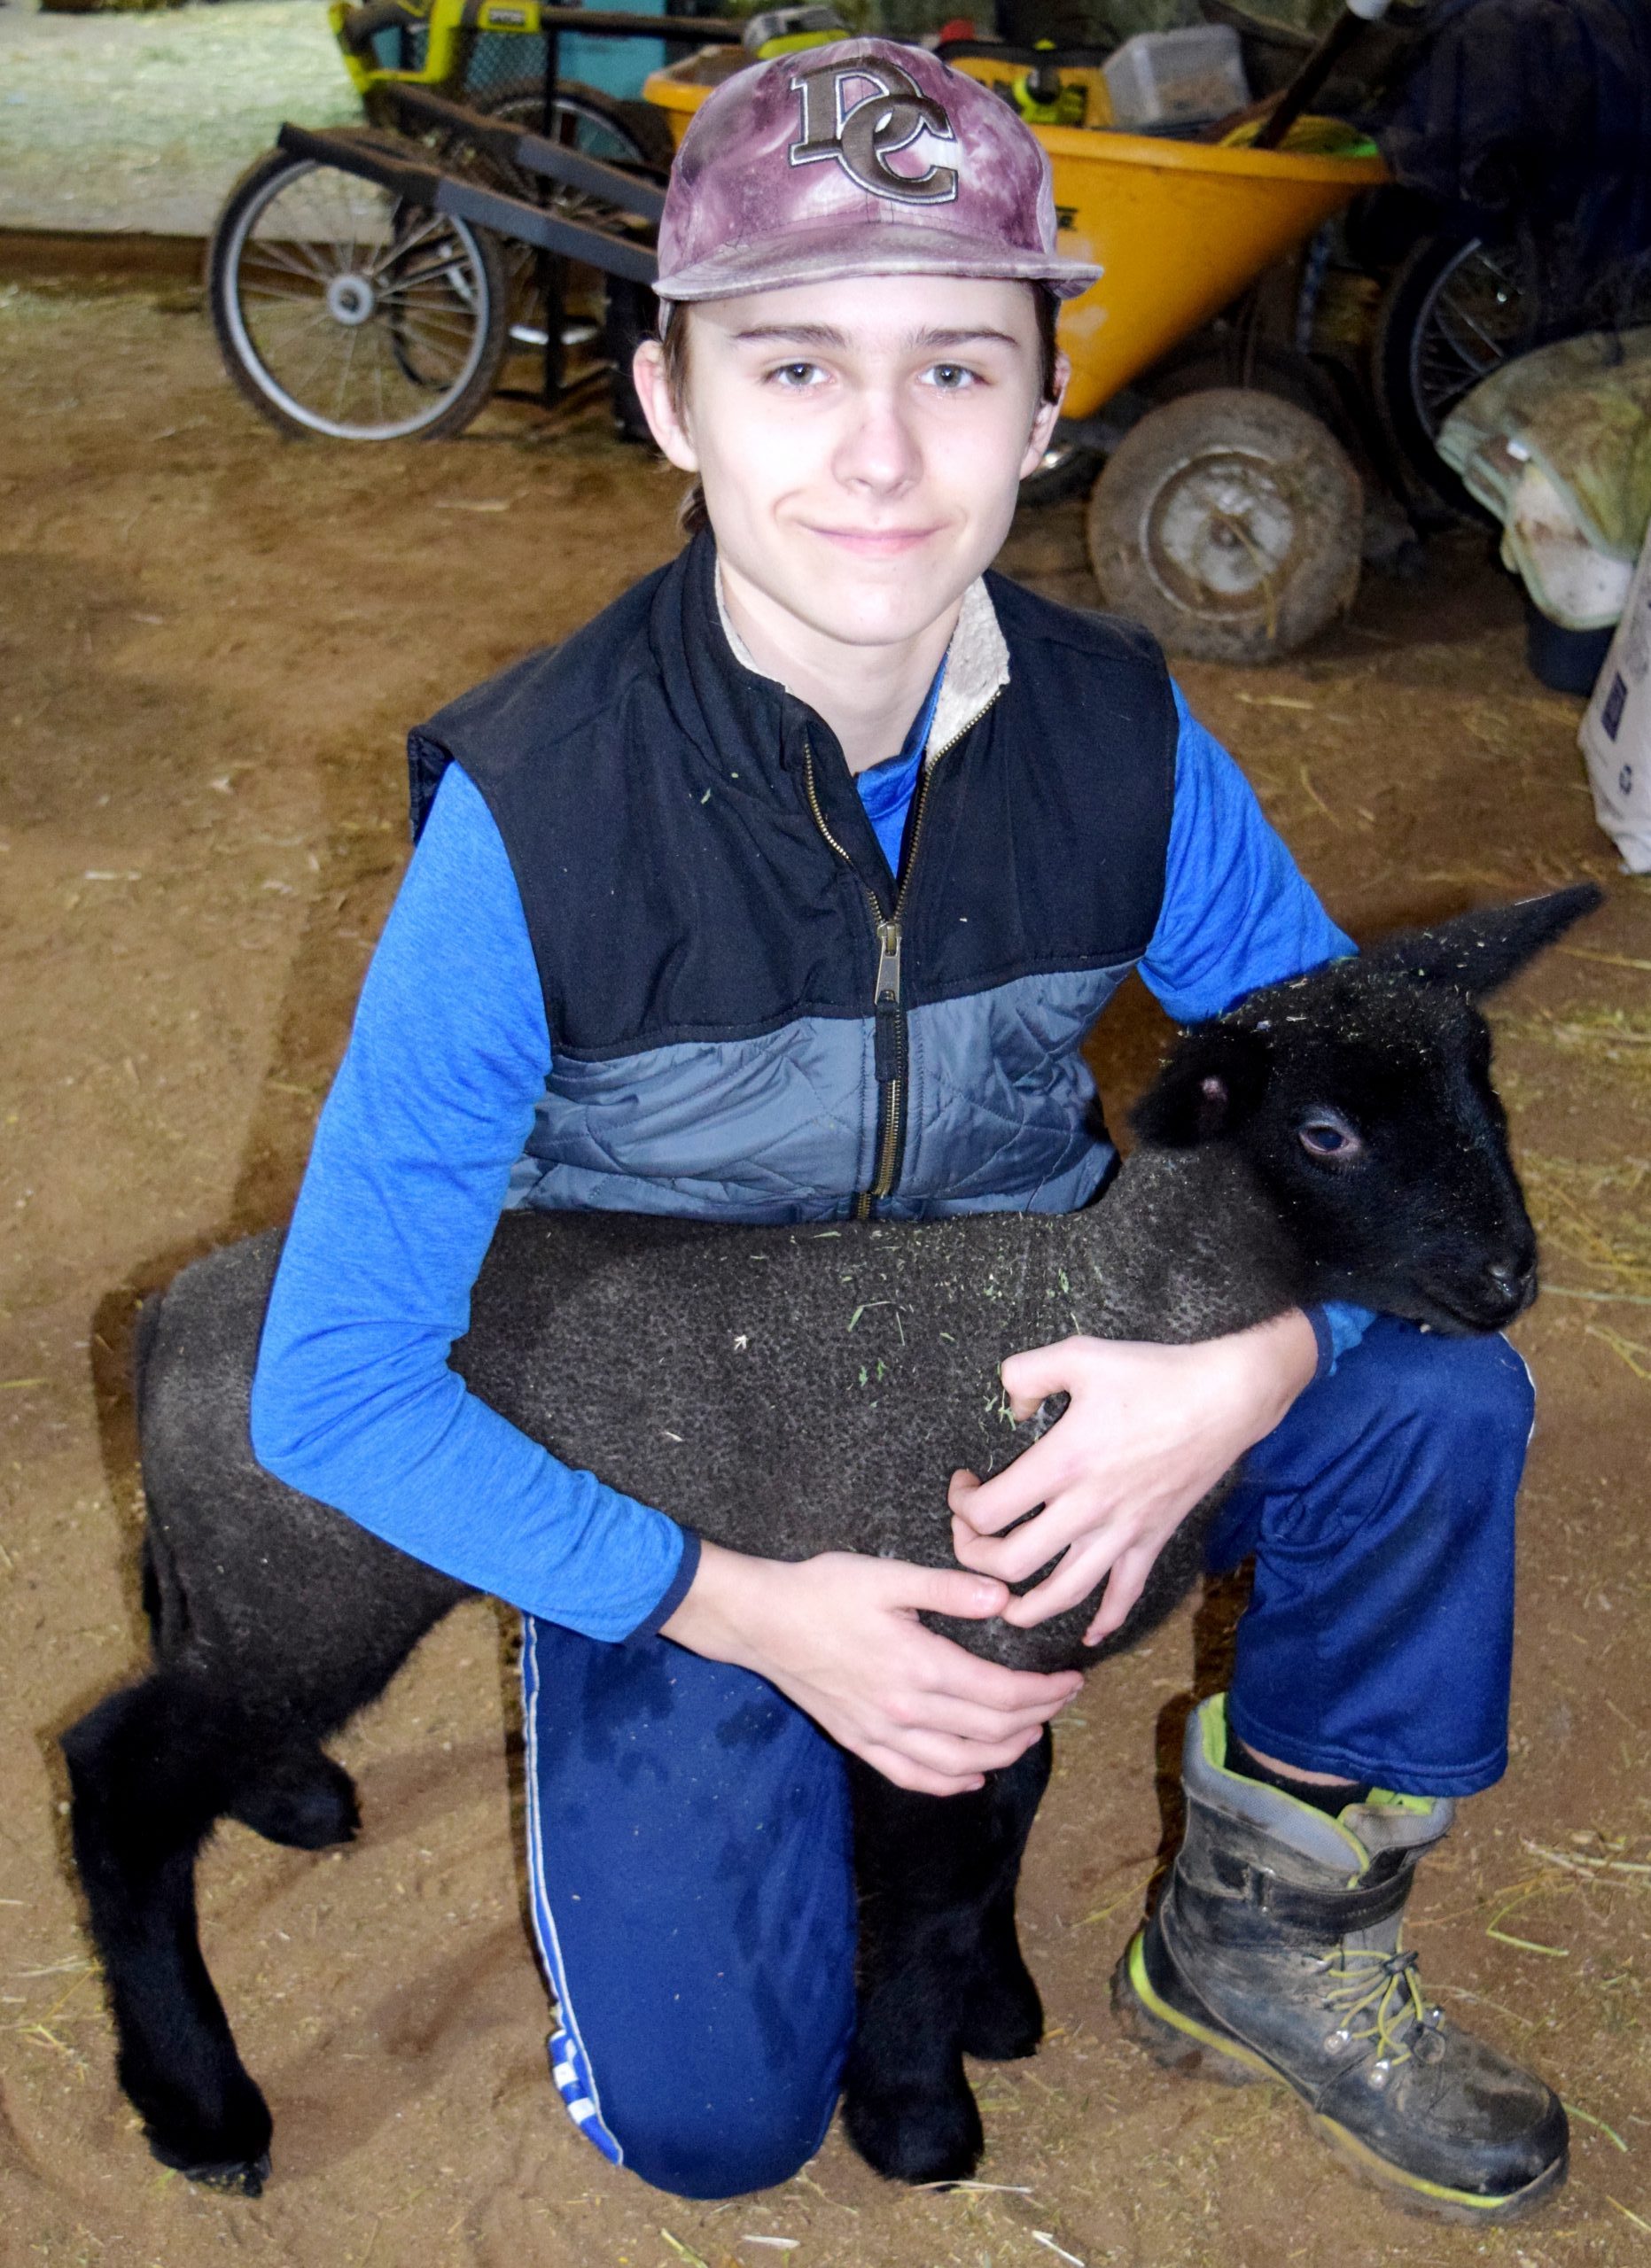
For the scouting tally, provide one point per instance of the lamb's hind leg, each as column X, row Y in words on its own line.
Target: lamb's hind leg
column 301, row 1799
column 940, row 1970
column 151, row 1769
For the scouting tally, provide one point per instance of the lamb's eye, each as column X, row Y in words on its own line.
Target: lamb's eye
column 1328, row 1136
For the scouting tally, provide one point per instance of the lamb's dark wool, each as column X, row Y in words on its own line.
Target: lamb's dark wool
column 785, row 1391
column 687, row 1362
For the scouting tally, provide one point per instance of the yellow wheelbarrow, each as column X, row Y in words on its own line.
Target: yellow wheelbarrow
column 1229, row 519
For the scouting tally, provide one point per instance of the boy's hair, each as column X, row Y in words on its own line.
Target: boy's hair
column 692, row 514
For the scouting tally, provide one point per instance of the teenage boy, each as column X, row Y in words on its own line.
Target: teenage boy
column 683, row 935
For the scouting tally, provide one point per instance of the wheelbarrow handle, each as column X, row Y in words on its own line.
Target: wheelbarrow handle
column 1316, row 68
column 531, row 152
column 411, row 173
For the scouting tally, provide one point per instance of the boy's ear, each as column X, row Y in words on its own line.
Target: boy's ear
column 665, row 419
column 1213, row 1083
column 1479, row 950
column 1045, row 419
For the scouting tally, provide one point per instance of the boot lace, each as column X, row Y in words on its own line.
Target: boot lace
column 1384, row 1987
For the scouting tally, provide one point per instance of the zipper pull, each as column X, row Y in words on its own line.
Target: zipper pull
column 886, row 991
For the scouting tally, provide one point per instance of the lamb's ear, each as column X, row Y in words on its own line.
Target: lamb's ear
column 1212, row 1082
column 1481, row 949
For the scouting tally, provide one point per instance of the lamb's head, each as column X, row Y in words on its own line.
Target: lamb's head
column 1360, row 1099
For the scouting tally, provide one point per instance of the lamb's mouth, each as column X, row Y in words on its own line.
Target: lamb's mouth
column 1461, row 1317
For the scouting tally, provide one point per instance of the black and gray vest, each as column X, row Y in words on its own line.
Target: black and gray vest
column 749, row 1015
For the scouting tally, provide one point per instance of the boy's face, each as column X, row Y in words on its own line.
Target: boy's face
column 860, row 443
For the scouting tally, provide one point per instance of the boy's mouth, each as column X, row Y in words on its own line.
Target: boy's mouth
column 876, row 543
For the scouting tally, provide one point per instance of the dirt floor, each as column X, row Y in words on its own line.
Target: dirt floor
column 214, row 642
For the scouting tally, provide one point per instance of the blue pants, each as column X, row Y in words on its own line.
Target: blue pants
column 688, row 1839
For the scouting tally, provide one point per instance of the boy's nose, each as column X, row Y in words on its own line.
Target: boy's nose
column 878, row 453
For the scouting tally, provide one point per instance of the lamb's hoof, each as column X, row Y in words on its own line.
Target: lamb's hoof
column 240, row 2169
column 906, row 2137
column 243, row 2177
column 220, row 2139
column 1003, row 2015
column 306, row 1802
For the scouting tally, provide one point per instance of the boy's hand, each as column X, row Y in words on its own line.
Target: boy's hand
column 1149, row 1431
column 840, row 1637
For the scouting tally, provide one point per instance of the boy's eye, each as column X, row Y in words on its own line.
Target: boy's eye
column 795, row 376
column 951, row 378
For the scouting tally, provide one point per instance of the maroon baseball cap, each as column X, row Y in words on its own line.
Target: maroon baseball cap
column 861, row 159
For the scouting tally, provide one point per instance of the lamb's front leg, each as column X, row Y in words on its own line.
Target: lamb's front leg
column 940, row 1969
column 1002, row 2014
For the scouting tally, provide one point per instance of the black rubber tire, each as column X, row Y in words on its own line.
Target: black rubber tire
column 650, row 129
column 1229, row 523
column 255, row 190
column 641, row 125
column 1415, row 350
column 521, row 102
column 632, row 315
column 1066, row 471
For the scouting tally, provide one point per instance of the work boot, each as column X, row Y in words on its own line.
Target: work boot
column 1275, row 1954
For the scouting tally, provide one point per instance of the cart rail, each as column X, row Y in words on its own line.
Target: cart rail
column 532, row 153
column 390, row 162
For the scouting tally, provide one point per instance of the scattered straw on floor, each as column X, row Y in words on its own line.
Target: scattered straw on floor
column 1597, row 1216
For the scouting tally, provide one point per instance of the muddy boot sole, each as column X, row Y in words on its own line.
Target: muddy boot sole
column 1195, row 2047
column 1430, row 2201
column 1173, row 2039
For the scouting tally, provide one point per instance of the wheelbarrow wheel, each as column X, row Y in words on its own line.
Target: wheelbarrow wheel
column 1229, row 524
column 344, row 311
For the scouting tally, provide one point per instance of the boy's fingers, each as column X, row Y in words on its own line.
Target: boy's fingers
column 944, row 1713
column 944, row 1753
column 1065, row 1523
column 912, row 1778
column 965, row 1677
column 1011, row 1558
column 945, row 1590
column 992, row 1504
column 1127, row 1581
column 1080, row 1569
column 1029, row 1379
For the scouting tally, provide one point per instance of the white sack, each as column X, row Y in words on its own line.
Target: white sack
column 1615, row 734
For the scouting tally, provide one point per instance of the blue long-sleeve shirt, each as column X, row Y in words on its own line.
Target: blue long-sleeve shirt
column 355, row 1402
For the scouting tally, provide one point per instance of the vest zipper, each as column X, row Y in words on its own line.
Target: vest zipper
column 889, row 1050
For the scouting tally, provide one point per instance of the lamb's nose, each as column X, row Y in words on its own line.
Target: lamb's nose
column 1512, row 1279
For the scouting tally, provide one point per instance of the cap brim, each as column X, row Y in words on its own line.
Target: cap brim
column 888, row 248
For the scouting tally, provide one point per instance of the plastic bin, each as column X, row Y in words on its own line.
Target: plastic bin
column 618, row 67
column 1566, row 661
column 1179, row 78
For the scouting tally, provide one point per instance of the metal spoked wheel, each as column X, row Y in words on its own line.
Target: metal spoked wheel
column 599, row 313
column 341, row 310
column 1459, row 308
column 1229, row 523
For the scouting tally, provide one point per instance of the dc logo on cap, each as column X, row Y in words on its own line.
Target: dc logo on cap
column 862, row 136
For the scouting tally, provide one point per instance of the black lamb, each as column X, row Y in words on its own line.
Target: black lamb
column 785, row 1391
